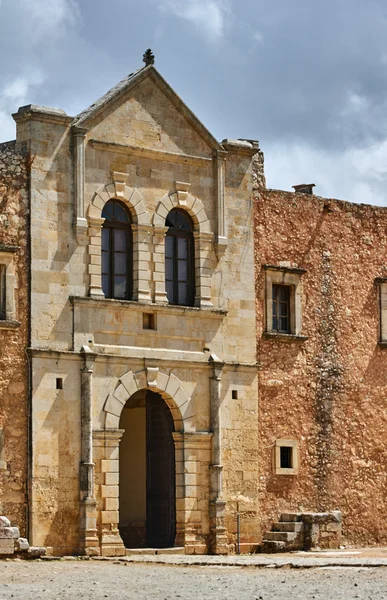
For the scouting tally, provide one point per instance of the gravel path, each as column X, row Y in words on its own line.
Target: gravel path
column 91, row 580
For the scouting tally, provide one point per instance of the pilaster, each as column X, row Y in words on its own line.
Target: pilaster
column 88, row 522
column 220, row 168
column 203, row 268
column 94, row 234
column 79, row 183
column 218, row 538
column 141, row 263
column 106, row 448
column 160, row 293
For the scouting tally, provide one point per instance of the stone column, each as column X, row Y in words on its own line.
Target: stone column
column 79, row 183
column 141, row 263
column 106, row 448
column 160, row 293
column 88, row 523
column 218, row 538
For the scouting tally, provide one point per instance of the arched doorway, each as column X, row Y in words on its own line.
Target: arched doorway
column 147, row 505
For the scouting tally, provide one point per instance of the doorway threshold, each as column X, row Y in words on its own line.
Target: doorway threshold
column 154, row 551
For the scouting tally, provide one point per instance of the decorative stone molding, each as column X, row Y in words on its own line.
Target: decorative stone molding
column 182, row 192
column 141, row 228
column 119, row 182
column 168, row 386
column 192, row 205
column 129, row 196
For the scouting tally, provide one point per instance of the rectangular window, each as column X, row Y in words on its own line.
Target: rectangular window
column 148, row 321
column 281, row 308
column 2, row 292
column 286, row 457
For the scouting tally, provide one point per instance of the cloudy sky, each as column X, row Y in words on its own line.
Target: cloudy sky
column 307, row 78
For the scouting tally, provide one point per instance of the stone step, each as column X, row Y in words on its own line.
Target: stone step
column 153, row 551
column 286, row 517
column 291, row 526
column 280, row 536
column 269, row 547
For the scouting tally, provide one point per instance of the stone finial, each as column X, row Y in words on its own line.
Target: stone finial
column 148, row 57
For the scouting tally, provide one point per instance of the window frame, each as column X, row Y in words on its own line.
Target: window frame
column 7, row 260
column 175, row 234
column 3, row 291
column 293, row 445
column 381, row 283
column 111, row 226
column 291, row 278
column 277, row 301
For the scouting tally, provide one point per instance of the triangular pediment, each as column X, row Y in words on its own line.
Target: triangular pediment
column 144, row 111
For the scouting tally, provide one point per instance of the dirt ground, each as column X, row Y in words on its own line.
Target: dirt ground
column 89, row 580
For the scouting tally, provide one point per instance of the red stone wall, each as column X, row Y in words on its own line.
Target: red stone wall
column 328, row 392
column 14, row 340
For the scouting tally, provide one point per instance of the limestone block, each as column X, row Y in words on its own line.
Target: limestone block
column 36, row 551
column 111, row 503
column 173, row 385
column 98, row 202
column 7, row 546
column 112, row 452
column 22, row 544
column 162, row 381
column 140, row 378
column 112, row 478
column 113, row 406
column 109, row 466
column 112, row 421
column 151, row 375
column 121, row 394
column 129, row 383
column 181, row 397
column 187, row 411
column 109, row 516
column 4, row 522
column 109, row 491
column 9, row 533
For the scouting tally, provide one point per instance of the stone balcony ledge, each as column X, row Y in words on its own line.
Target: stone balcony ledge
column 112, row 303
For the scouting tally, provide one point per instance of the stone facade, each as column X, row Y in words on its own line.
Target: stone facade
column 91, row 355
column 324, row 385
column 13, row 333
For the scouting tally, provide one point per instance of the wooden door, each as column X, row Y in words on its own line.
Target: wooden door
column 160, row 473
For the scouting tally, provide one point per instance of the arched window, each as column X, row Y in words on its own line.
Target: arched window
column 179, row 258
column 117, row 262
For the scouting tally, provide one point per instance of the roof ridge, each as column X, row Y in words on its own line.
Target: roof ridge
column 107, row 96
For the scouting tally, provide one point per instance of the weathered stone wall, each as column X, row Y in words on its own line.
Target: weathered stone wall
column 328, row 392
column 14, row 336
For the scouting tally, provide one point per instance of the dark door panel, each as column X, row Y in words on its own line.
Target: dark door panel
column 160, row 469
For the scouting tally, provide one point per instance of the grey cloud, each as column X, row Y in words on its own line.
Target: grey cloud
column 306, row 78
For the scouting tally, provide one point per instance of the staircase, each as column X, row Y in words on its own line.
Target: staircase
column 285, row 535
